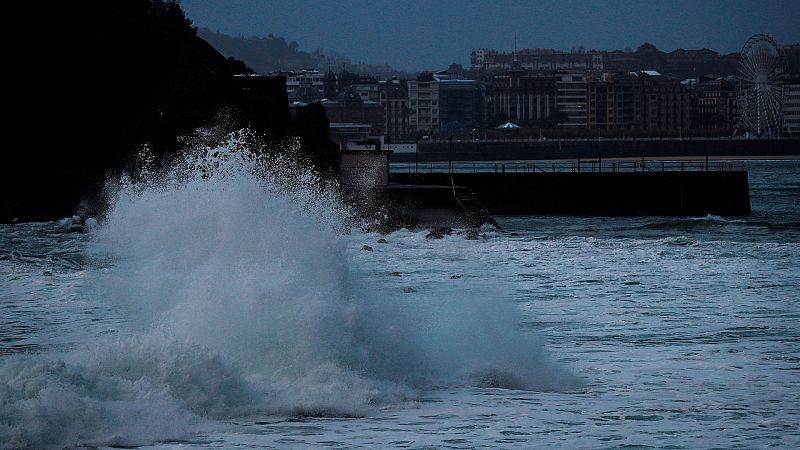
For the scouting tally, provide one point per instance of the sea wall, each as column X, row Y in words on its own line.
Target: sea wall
column 601, row 193
column 591, row 149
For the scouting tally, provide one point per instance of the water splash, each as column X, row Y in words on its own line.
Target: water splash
column 240, row 300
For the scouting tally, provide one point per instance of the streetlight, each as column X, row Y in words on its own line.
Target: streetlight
column 450, row 161
column 416, row 156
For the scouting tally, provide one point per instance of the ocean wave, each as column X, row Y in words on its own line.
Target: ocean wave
column 240, row 299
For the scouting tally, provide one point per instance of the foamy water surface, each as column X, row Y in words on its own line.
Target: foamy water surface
column 227, row 311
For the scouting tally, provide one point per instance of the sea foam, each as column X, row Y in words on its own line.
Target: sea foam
column 240, row 300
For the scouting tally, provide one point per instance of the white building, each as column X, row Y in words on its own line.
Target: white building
column 791, row 106
column 478, row 56
column 423, row 102
column 305, row 77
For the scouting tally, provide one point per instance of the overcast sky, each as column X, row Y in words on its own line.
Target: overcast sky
column 415, row 35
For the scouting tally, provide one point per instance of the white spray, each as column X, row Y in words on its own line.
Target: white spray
column 241, row 300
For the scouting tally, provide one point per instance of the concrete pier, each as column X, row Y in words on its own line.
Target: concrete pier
column 553, row 149
column 675, row 193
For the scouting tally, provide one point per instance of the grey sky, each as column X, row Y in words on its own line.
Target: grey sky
column 414, row 35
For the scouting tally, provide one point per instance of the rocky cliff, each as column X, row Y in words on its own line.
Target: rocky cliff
column 102, row 79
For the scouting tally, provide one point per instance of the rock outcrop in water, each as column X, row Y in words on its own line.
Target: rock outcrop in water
column 106, row 77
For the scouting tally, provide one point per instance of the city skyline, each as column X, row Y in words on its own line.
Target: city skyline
column 416, row 36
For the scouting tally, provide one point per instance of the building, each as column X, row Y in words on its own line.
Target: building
column 668, row 103
column 571, row 98
column 601, row 104
column 305, row 77
column 423, row 103
column 628, row 100
column 477, row 57
column 369, row 91
column 715, row 103
column 462, row 105
column 791, row 105
column 394, row 98
column 523, row 98
column 364, row 169
column 342, row 133
column 536, row 59
column 305, row 93
column 349, row 108
column 641, row 100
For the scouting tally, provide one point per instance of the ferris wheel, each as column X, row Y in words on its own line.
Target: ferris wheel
column 758, row 89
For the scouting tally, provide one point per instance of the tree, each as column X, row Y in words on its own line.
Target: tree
column 239, row 67
column 456, row 68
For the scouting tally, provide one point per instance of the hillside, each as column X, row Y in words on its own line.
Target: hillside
column 264, row 55
column 679, row 63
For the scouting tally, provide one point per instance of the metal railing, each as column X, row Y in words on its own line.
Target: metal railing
column 596, row 165
column 604, row 138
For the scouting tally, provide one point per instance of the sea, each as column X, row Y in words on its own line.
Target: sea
column 228, row 303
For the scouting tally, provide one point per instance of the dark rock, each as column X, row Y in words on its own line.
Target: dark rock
column 409, row 290
column 129, row 73
column 514, row 234
column 382, row 241
column 439, row 233
column 396, row 274
column 472, row 234
column 455, row 277
column 366, row 248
